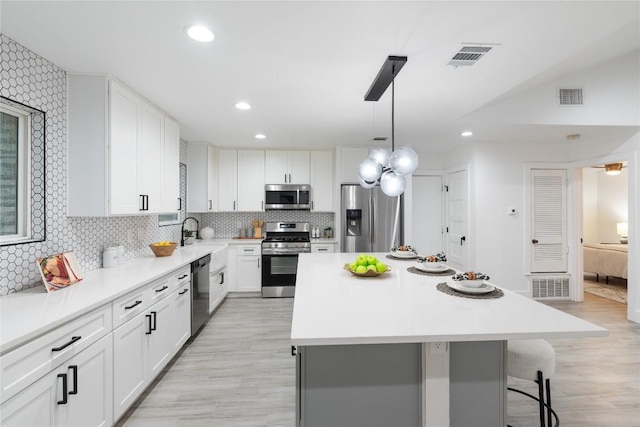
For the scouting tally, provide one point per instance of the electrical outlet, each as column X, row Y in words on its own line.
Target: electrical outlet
column 438, row 348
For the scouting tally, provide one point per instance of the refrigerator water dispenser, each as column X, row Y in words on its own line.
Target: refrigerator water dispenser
column 354, row 222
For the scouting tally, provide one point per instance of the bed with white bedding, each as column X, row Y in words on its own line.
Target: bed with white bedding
column 608, row 260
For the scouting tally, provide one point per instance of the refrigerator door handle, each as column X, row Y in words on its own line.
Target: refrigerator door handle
column 372, row 218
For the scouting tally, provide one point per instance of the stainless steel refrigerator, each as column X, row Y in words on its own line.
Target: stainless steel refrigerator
column 368, row 219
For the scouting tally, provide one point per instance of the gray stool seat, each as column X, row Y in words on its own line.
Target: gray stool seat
column 533, row 360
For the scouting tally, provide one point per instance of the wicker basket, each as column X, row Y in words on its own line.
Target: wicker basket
column 160, row 251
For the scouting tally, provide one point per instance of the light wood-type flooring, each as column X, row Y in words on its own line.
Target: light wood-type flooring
column 239, row 372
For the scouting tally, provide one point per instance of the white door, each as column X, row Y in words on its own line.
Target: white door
column 180, row 318
column 298, row 166
column 250, row 180
column 321, row 180
column 276, row 167
column 548, row 240
column 457, row 209
column 129, row 363
column 150, row 159
column 227, row 180
column 171, row 171
column 427, row 224
column 158, row 340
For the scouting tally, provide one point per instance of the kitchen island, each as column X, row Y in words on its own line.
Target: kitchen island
column 394, row 350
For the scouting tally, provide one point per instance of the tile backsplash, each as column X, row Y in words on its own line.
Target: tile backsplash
column 32, row 80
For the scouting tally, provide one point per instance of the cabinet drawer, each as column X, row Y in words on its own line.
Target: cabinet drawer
column 322, row 248
column 160, row 289
column 179, row 278
column 28, row 363
column 129, row 306
column 249, row 250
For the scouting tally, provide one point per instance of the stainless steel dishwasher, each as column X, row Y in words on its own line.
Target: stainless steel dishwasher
column 199, row 293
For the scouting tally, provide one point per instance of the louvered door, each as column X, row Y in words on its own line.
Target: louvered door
column 548, row 220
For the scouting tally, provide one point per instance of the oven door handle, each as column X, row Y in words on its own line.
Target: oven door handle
column 285, row 251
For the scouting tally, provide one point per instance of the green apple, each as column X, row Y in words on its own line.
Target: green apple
column 371, row 260
column 353, row 266
column 381, row 267
column 361, row 269
column 362, row 260
column 372, row 268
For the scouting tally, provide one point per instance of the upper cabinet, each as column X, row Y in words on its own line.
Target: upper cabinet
column 286, row 167
column 241, row 180
column 201, row 178
column 321, row 180
column 122, row 152
column 348, row 163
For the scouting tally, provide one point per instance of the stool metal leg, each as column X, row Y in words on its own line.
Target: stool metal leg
column 541, row 398
column 548, row 384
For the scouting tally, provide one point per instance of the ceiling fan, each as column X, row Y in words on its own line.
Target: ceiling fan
column 612, row 168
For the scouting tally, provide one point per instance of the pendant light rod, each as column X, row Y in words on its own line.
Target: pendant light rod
column 387, row 73
column 393, row 113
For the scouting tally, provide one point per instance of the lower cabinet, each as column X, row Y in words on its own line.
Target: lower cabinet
column 180, row 315
column 77, row 393
column 248, row 267
column 217, row 289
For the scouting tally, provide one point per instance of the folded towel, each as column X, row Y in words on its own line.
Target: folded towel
column 470, row 275
column 440, row 257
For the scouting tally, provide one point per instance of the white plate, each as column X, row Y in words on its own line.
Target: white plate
column 426, row 266
column 404, row 254
column 485, row 288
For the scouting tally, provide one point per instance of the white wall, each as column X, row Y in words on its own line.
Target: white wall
column 590, row 206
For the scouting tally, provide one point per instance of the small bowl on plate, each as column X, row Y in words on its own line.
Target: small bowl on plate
column 470, row 283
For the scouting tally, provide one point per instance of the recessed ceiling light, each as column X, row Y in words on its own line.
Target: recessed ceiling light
column 243, row 106
column 466, row 133
column 260, row 136
column 199, row 33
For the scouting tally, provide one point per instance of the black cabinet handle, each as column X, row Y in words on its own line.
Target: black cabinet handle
column 144, row 199
column 129, row 307
column 64, row 389
column 74, row 369
column 161, row 289
column 534, row 241
column 182, row 277
column 221, row 278
column 210, row 205
column 154, row 314
column 63, row 346
column 179, row 203
column 293, row 350
column 183, row 292
column 148, row 316
column 462, row 239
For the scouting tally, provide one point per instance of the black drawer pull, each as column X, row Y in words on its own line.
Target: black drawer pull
column 183, row 292
column 64, row 389
column 293, row 350
column 148, row 316
column 155, row 319
column 74, row 369
column 221, row 278
column 138, row 302
column 161, row 289
column 63, row 346
column 182, row 277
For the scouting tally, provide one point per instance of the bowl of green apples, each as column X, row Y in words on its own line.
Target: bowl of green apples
column 367, row 266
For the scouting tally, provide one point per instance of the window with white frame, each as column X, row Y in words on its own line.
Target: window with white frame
column 22, row 132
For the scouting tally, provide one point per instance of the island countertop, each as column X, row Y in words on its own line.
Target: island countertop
column 332, row 307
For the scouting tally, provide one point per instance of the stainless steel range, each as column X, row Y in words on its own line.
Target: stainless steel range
column 283, row 243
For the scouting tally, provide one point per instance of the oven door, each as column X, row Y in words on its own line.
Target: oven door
column 279, row 275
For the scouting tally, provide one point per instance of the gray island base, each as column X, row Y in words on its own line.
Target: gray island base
column 394, row 351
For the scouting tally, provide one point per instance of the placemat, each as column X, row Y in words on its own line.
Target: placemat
column 496, row 293
column 446, row 272
column 399, row 259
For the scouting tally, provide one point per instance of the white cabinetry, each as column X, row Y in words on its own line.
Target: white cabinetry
column 349, row 159
column 151, row 322
column 323, row 247
column 286, row 167
column 201, row 178
column 122, row 151
column 241, row 180
column 218, row 278
column 62, row 378
column 321, row 181
column 245, row 267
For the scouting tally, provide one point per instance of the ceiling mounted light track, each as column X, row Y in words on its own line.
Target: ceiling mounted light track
column 387, row 73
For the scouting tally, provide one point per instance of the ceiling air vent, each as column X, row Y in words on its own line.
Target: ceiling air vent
column 468, row 55
column 572, row 96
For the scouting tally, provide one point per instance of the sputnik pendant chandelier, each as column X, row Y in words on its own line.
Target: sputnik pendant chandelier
column 381, row 167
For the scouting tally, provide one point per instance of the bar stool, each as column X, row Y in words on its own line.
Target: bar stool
column 534, row 360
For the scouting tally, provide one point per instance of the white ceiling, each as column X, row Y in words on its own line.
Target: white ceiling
column 305, row 66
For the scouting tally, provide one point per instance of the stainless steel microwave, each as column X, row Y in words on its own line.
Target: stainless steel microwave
column 287, row 196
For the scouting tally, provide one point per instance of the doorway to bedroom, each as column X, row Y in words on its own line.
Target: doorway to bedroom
column 605, row 222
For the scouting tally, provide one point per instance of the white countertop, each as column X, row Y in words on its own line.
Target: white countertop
column 31, row 313
column 332, row 306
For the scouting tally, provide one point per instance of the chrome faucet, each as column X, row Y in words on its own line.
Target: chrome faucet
column 182, row 229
